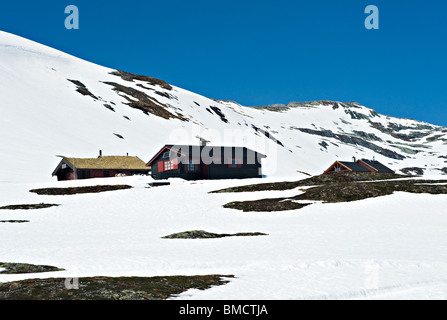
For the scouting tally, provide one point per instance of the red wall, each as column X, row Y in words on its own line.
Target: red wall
column 96, row 174
column 100, row 173
column 71, row 176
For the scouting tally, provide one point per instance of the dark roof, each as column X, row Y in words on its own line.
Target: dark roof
column 354, row 166
column 192, row 150
column 378, row 166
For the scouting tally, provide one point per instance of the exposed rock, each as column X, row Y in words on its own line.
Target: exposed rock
column 434, row 138
column 108, row 288
column 356, row 115
column 267, row 134
column 266, row 205
column 29, row 206
column 127, row 76
column 333, row 192
column 76, row 190
column 407, row 150
column 324, row 144
column 200, row 234
column 443, row 170
column 393, row 130
column 313, row 181
column 108, row 106
column 413, row 171
column 14, row 221
column 19, row 268
column 354, row 141
column 82, row 89
column 219, row 113
column 367, row 136
column 144, row 102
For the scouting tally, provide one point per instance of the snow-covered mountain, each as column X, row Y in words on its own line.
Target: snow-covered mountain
column 54, row 104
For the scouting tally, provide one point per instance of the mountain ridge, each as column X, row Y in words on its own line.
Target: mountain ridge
column 53, row 103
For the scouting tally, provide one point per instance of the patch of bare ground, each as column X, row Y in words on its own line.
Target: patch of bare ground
column 82, row 89
column 335, row 188
column 20, row 268
column 14, row 221
column 127, row 76
column 109, row 288
column 200, row 234
column 315, row 180
column 76, row 190
column 29, row 206
column 145, row 103
column 266, row 205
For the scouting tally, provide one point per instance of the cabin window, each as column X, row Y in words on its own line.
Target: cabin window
column 166, row 155
column 169, row 165
column 106, row 173
column 337, row 169
column 83, row 174
column 64, row 166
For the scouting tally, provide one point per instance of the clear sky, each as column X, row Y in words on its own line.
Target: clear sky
column 261, row 52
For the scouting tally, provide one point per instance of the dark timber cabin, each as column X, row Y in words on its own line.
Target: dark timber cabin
column 363, row 165
column 206, row 162
column 101, row 167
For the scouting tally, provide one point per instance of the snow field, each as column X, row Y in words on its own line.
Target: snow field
column 369, row 249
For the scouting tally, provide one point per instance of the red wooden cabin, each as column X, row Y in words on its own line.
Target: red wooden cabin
column 363, row 165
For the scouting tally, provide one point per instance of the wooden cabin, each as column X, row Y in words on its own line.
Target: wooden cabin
column 361, row 165
column 206, row 162
column 101, row 167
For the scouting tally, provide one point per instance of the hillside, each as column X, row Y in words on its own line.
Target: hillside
column 285, row 236
column 54, row 104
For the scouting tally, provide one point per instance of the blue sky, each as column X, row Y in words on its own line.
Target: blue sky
column 261, row 52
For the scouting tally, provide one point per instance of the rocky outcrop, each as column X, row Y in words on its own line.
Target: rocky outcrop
column 108, row 288
column 19, row 268
column 127, row 76
column 144, row 102
column 352, row 140
column 201, row 234
column 82, row 89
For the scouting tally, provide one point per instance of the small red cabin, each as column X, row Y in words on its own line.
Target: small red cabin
column 363, row 165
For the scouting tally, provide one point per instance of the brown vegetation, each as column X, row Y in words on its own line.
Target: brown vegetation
column 76, row 190
column 108, row 288
column 28, row 206
column 335, row 188
column 145, row 103
column 127, row 76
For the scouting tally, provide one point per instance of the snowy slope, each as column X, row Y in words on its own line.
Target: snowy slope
column 43, row 115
